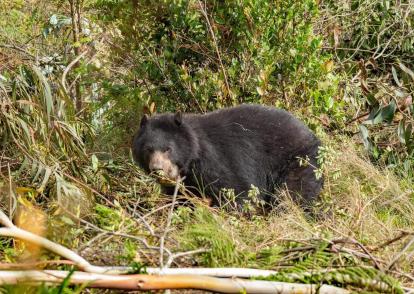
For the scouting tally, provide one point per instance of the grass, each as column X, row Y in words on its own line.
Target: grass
column 363, row 206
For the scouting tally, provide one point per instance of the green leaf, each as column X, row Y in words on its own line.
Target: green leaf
column 53, row 20
column 401, row 131
column 406, row 70
column 371, row 99
column 388, row 111
column 365, row 137
column 47, row 92
column 65, row 283
column 25, row 128
column 385, row 114
column 67, row 220
column 95, row 163
column 408, row 135
column 394, row 75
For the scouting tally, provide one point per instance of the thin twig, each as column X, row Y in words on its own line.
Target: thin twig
column 70, row 65
column 17, row 48
column 203, row 9
column 402, row 235
column 181, row 254
column 169, row 218
column 118, row 234
column 360, row 245
column 400, row 254
column 12, row 197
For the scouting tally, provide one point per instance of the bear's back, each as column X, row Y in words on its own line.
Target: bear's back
column 267, row 126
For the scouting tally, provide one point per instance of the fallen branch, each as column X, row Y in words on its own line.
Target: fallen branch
column 155, row 282
column 400, row 236
column 229, row 272
column 399, row 255
column 10, row 230
column 329, row 275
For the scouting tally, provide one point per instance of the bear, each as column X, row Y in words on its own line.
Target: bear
column 235, row 148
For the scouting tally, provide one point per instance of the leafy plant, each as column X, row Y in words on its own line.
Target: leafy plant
column 387, row 131
column 202, row 55
column 208, row 232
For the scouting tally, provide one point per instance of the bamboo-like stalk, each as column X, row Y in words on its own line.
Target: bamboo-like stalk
column 162, row 282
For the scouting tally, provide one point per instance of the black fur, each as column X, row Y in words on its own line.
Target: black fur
column 235, row 148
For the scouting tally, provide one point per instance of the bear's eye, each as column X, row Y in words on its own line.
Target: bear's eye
column 167, row 149
column 148, row 149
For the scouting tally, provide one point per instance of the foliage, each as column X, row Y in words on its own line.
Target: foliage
column 207, row 231
column 40, row 133
column 381, row 30
column 322, row 267
column 387, row 131
column 196, row 55
column 374, row 45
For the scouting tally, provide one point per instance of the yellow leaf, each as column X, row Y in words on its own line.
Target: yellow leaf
column 152, row 107
column 260, row 91
column 328, row 65
column 21, row 191
column 262, row 75
column 31, row 219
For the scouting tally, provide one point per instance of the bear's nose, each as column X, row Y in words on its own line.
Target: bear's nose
column 155, row 166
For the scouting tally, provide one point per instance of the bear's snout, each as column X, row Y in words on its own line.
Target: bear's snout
column 157, row 161
column 160, row 161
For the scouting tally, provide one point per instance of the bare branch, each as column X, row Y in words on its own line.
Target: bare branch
column 400, row 254
column 12, row 231
column 203, row 10
column 181, row 254
column 167, row 226
column 70, row 65
column 162, row 282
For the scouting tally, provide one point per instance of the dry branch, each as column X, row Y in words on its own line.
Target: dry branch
column 203, row 10
column 10, row 230
column 156, row 282
column 95, row 277
column 70, row 65
column 221, row 272
column 167, row 226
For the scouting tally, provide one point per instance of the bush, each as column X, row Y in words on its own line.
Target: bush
column 195, row 57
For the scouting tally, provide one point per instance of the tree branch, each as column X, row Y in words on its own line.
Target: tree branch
column 163, row 282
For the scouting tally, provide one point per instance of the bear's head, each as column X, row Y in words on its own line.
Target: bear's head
column 165, row 143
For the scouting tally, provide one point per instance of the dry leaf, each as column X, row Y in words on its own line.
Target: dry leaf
column 31, row 219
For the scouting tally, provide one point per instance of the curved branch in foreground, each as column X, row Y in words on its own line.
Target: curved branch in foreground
column 15, row 232
column 12, row 231
column 155, row 282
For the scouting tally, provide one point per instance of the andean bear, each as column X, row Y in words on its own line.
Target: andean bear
column 232, row 148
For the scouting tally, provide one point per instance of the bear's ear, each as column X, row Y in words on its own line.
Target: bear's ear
column 144, row 120
column 178, row 118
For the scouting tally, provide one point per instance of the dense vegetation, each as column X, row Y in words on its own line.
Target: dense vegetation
column 76, row 76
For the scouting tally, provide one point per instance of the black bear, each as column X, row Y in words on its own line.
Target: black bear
column 232, row 148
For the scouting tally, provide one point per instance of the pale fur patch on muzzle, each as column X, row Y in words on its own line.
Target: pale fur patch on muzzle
column 160, row 161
